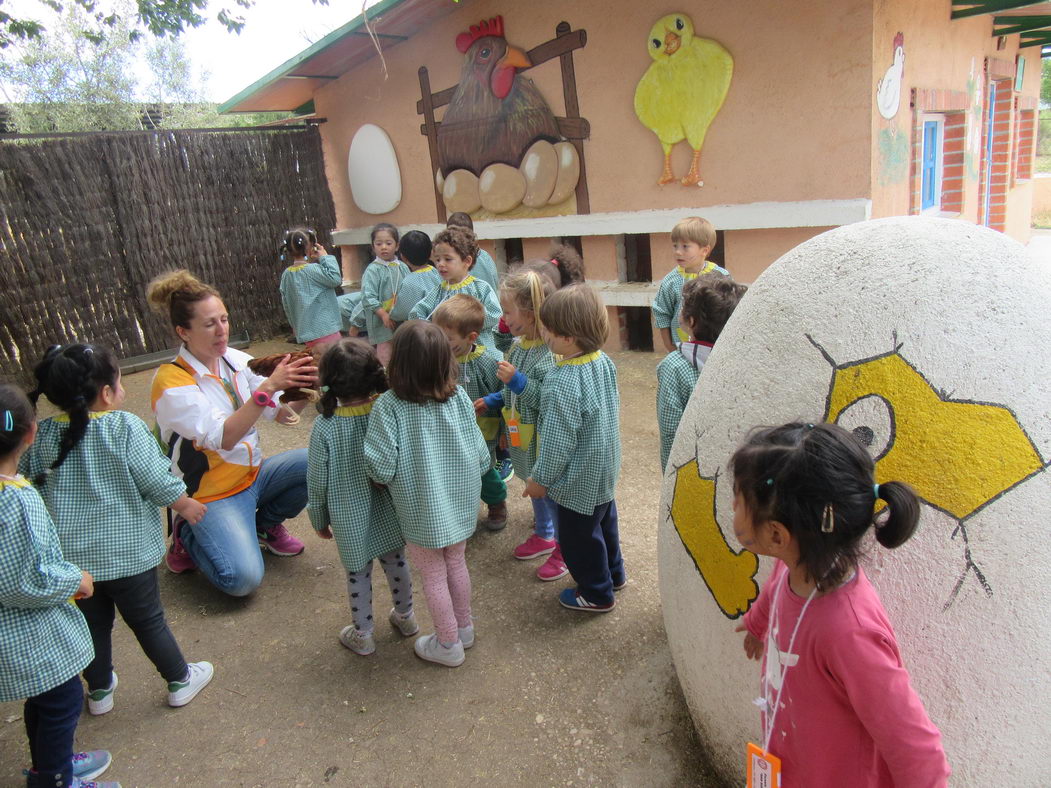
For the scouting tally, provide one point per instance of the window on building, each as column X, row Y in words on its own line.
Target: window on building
column 939, row 133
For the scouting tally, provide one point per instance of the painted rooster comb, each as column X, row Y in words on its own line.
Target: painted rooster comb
column 491, row 27
column 899, row 40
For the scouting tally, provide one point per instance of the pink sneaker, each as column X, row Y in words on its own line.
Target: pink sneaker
column 554, row 567
column 177, row 559
column 534, row 547
column 279, row 541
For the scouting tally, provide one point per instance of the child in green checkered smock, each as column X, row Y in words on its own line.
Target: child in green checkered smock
column 379, row 288
column 423, row 443
column 707, row 303
column 461, row 318
column 103, row 477
column 579, row 456
column 415, row 250
column 44, row 640
column 454, row 254
column 344, row 504
column 308, row 288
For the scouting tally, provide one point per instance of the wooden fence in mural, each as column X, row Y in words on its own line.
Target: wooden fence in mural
column 86, row 221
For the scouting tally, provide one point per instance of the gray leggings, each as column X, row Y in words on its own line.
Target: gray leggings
column 359, row 586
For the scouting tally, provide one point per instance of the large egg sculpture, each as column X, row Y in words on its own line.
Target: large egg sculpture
column 930, row 340
column 372, row 166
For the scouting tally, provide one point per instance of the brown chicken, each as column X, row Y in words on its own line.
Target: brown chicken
column 265, row 365
column 495, row 113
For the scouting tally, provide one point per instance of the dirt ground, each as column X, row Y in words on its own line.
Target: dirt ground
column 547, row 697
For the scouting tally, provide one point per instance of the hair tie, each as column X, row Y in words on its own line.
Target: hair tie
column 875, row 491
column 809, row 426
column 324, row 389
column 79, row 399
column 770, row 481
column 554, row 262
column 9, row 421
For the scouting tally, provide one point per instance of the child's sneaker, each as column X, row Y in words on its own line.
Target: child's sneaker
column 406, row 624
column 574, row 601
column 466, row 635
column 78, row 783
column 507, row 469
column 363, row 644
column 279, row 541
column 198, row 675
column 554, row 567
column 534, row 547
column 497, row 518
column 617, row 586
column 429, row 648
column 89, row 765
column 177, row 559
column 101, row 700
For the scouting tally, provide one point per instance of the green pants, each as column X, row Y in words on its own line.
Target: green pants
column 493, row 488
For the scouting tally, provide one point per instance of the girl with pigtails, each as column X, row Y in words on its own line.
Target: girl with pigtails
column 103, row 477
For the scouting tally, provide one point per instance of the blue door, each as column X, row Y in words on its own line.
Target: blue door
column 928, row 190
column 989, row 128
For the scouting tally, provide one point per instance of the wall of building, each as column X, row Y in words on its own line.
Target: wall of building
column 947, row 57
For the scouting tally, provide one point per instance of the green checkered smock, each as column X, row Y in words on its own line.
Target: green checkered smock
column 364, row 523
column 532, row 358
column 676, row 377
column 668, row 301
column 431, row 457
column 308, row 294
column 44, row 640
column 471, row 286
column 579, row 456
column 414, row 287
column 478, row 378
column 378, row 288
column 104, row 497
column 484, row 268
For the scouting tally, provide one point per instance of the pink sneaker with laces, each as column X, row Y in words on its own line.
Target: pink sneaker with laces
column 279, row 541
column 534, row 547
column 554, row 567
column 177, row 559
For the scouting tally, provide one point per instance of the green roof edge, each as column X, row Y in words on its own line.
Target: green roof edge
column 307, row 53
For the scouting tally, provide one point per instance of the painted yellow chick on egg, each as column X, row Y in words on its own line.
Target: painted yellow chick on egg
column 682, row 90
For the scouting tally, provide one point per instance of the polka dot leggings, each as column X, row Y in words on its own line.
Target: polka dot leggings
column 447, row 586
column 359, row 586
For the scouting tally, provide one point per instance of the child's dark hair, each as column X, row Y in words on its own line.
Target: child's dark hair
column 350, row 369
column 818, row 481
column 709, row 300
column 422, row 367
column 462, row 241
column 297, row 242
column 460, row 219
column 384, row 227
column 16, row 418
column 415, row 248
column 563, row 267
column 71, row 377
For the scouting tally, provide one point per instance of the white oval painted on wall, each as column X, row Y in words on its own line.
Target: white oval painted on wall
column 372, row 165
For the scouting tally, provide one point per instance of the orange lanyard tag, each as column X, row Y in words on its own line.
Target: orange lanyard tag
column 512, row 431
column 764, row 769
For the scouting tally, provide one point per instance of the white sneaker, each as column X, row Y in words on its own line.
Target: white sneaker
column 466, row 635
column 182, row 692
column 357, row 642
column 406, row 625
column 429, row 648
column 101, row 701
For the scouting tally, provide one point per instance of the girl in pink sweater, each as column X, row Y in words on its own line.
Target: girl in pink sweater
column 837, row 705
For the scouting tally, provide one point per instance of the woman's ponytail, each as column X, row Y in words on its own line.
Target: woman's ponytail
column 898, row 524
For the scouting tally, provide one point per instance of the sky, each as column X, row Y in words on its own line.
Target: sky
column 275, row 31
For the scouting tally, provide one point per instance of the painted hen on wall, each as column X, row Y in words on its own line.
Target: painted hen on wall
column 682, row 90
column 495, row 113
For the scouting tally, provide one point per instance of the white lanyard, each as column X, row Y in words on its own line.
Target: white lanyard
column 771, row 714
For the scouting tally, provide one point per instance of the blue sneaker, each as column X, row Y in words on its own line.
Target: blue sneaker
column 507, row 470
column 574, row 601
column 89, row 765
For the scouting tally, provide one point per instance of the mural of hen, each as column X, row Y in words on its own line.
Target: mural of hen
column 499, row 145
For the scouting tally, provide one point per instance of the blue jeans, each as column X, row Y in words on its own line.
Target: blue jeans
column 51, row 720
column 545, row 513
column 225, row 545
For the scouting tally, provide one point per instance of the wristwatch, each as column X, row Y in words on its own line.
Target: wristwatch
column 263, row 400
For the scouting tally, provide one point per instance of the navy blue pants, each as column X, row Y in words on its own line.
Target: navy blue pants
column 591, row 549
column 51, row 720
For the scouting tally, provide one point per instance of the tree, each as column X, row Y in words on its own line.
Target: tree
column 1045, row 82
column 157, row 17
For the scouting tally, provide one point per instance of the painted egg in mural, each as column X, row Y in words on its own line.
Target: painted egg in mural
column 372, row 165
column 501, row 187
column 439, row 181
column 568, row 172
column 928, row 339
column 460, row 192
column 539, row 167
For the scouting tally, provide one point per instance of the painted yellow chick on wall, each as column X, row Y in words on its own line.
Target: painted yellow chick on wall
column 682, row 90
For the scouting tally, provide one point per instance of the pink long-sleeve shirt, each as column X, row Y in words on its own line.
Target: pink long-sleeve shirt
column 848, row 714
